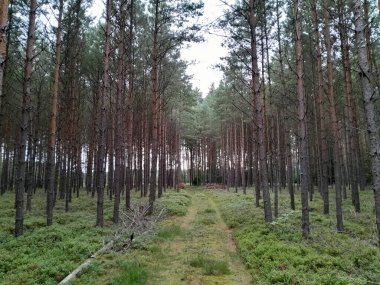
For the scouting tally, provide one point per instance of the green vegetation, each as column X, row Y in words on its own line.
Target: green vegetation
column 187, row 248
column 210, row 266
column 276, row 253
column 179, row 250
column 176, row 203
column 132, row 274
column 207, row 217
column 168, row 232
column 146, row 258
column 45, row 255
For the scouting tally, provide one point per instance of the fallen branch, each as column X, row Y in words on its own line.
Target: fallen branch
column 85, row 264
column 139, row 222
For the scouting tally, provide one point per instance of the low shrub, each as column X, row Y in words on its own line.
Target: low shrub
column 210, row 266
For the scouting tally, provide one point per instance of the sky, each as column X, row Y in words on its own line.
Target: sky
column 208, row 53
column 202, row 56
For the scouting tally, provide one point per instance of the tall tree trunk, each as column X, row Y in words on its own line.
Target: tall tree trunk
column 337, row 146
column 352, row 140
column 302, row 123
column 111, row 157
column 155, row 108
column 26, row 109
column 102, row 127
column 68, row 180
column 322, row 114
column 53, row 121
column 146, row 149
column 262, row 145
column 289, row 176
column 29, row 179
column 130, row 99
column 119, row 128
column 288, row 136
column 236, row 159
column 243, row 151
column 57, row 168
column 161, row 180
column 3, row 42
column 369, row 96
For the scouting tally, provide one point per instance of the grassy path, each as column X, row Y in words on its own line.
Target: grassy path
column 202, row 252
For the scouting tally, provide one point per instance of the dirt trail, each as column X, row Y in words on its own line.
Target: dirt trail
column 203, row 234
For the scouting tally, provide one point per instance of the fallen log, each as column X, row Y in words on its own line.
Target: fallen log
column 138, row 221
column 69, row 278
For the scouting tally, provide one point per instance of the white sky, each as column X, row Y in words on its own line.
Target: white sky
column 202, row 56
column 208, row 53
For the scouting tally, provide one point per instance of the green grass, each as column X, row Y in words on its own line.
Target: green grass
column 276, row 253
column 210, row 266
column 209, row 211
column 45, row 255
column 168, row 232
column 176, row 203
column 132, row 273
column 145, row 258
column 207, row 221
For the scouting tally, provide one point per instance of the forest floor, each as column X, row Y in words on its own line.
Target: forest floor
column 197, row 248
column 220, row 237
column 203, row 252
column 206, row 237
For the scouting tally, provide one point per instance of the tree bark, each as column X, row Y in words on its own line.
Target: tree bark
column 262, row 146
column 369, row 95
column 119, row 127
column 105, row 87
column 26, row 109
column 155, row 109
column 130, row 114
column 243, row 151
column 322, row 114
column 337, row 146
column 352, row 140
column 53, row 121
column 302, row 124
column 3, row 42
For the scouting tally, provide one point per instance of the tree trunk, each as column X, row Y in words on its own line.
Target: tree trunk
column 155, row 109
column 337, row 146
column 3, row 42
column 102, row 127
column 262, row 145
column 130, row 114
column 26, row 109
column 352, row 140
column 53, row 122
column 369, row 95
column 322, row 114
column 119, row 127
column 302, row 124
column 242, row 145
column 146, row 149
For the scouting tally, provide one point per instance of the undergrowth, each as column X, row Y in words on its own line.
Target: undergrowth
column 45, row 255
column 175, row 203
column 132, row 273
column 210, row 266
column 131, row 267
column 275, row 253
